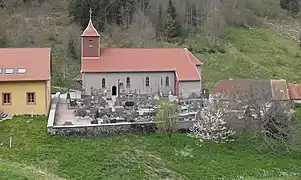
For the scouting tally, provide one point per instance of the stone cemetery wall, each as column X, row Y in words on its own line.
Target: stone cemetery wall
column 52, row 111
column 110, row 129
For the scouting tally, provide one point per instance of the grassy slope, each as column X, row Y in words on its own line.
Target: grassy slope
column 252, row 53
column 37, row 156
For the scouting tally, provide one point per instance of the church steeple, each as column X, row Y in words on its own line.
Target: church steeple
column 90, row 40
column 90, row 29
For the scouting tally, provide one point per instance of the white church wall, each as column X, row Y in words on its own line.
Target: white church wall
column 188, row 87
column 137, row 81
column 199, row 68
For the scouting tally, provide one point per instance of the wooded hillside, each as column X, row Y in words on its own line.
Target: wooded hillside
column 201, row 25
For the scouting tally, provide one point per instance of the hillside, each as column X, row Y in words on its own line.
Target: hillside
column 246, row 39
column 252, row 53
column 36, row 156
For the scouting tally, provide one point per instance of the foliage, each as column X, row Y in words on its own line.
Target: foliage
column 35, row 156
column 172, row 25
column 292, row 6
column 167, row 116
column 211, row 126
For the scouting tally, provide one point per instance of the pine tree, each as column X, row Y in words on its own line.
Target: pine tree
column 172, row 25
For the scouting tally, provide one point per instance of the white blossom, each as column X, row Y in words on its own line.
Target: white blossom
column 211, row 126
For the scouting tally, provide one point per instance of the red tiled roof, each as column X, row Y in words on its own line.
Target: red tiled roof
column 37, row 61
column 294, row 91
column 141, row 59
column 270, row 89
column 280, row 90
column 90, row 31
column 234, row 88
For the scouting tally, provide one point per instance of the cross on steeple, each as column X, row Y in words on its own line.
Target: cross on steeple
column 90, row 11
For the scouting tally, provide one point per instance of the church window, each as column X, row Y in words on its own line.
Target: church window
column 167, row 81
column 103, row 83
column 147, row 81
column 90, row 43
column 128, row 82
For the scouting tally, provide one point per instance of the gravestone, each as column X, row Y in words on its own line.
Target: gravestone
column 93, row 111
column 81, row 112
column 68, row 123
column 94, row 121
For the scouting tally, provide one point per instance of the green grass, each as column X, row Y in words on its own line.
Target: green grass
column 251, row 53
column 34, row 155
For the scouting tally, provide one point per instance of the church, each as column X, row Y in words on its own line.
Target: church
column 140, row 70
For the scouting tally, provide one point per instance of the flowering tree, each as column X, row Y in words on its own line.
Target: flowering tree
column 211, row 126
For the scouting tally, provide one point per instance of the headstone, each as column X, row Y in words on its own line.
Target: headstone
column 113, row 120
column 94, row 121
column 68, row 123
column 105, row 119
column 81, row 112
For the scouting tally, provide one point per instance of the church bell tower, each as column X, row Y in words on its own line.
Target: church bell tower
column 90, row 41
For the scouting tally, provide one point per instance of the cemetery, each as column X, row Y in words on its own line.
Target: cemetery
column 102, row 114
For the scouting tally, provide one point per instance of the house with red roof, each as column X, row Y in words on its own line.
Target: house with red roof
column 25, row 80
column 265, row 89
column 144, row 70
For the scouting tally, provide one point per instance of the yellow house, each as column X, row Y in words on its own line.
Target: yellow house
column 25, row 80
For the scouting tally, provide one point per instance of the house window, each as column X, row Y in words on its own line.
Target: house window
column 167, row 81
column 128, row 82
column 0, row 70
column 6, row 98
column 9, row 71
column 103, row 83
column 161, row 82
column 31, row 98
column 147, row 81
column 22, row 70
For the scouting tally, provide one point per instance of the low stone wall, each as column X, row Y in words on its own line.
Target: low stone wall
column 110, row 129
column 52, row 111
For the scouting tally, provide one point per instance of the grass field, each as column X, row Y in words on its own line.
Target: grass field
column 252, row 53
column 34, row 155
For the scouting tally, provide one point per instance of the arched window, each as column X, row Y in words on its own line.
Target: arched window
column 103, row 83
column 147, row 81
column 128, row 82
column 167, row 81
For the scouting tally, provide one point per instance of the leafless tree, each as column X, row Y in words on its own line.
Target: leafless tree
column 141, row 32
column 267, row 114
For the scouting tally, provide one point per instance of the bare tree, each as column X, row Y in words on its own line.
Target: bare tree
column 269, row 113
column 114, row 36
column 214, row 21
column 141, row 32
